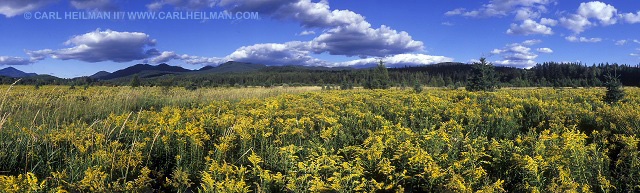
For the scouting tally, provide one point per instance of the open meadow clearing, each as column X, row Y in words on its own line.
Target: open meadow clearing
column 118, row 139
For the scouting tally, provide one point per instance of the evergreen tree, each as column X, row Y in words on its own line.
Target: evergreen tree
column 483, row 77
column 135, row 81
column 614, row 90
column 379, row 78
column 417, row 87
column 191, row 87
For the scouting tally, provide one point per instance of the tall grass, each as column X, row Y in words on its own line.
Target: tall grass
column 529, row 140
column 55, row 105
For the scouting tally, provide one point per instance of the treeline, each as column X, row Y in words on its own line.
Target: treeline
column 549, row 74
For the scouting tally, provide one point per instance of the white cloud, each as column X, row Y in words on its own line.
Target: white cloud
column 531, row 42
column 545, row 50
column 10, row 60
column 606, row 14
column 549, row 22
column 636, row 41
column 98, row 46
column 516, row 63
column 518, row 54
column 213, row 61
column 576, row 23
column 582, row 39
column 290, row 53
column 446, row 23
column 527, row 13
column 164, row 57
column 94, row 5
column 348, row 34
column 457, row 11
column 344, row 33
column 497, row 51
column 363, row 41
column 529, row 27
column 398, row 60
column 10, row 8
column 631, row 17
column 523, row 9
column 603, row 12
column 621, row 42
column 306, row 32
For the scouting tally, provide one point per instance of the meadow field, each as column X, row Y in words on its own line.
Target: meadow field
column 303, row 139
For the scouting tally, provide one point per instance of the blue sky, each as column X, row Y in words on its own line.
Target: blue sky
column 515, row 33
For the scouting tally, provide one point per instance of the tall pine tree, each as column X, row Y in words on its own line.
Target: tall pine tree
column 378, row 78
column 614, row 90
column 483, row 77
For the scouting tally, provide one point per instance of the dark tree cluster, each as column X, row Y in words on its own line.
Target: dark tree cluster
column 452, row 75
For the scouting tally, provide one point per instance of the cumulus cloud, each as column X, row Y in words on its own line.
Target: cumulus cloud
column 363, row 41
column 529, row 27
column 518, row 54
column 164, row 57
column 10, row 60
column 621, row 42
column 527, row 13
column 10, row 8
column 94, row 5
column 582, row 39
column 99, row 46
column 575, row 23
column 549, row 22
column 523, row 9
column 545, row 50
column 631, row 17
column 604, row 13
column 344, row 33
column 348, row 34
column 398, row 60
column 290, row 53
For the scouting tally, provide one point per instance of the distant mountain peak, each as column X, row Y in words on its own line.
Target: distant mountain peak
column 232, row 66
column 15, row 73
column 139, row 68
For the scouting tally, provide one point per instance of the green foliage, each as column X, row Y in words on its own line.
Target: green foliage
column 511, row 140
column 614, row 89
column 346, row 85
column 483, row 77
column 191, row 87
column 378, row 78
column 135, row 81
column 417, row 87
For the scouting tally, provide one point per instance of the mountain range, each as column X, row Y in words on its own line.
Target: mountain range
column 149, row 71
column 15, row 73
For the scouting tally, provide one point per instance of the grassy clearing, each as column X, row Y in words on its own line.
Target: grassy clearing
column 55, row 105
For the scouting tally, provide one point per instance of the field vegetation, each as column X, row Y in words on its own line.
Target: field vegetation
column 122, row 139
